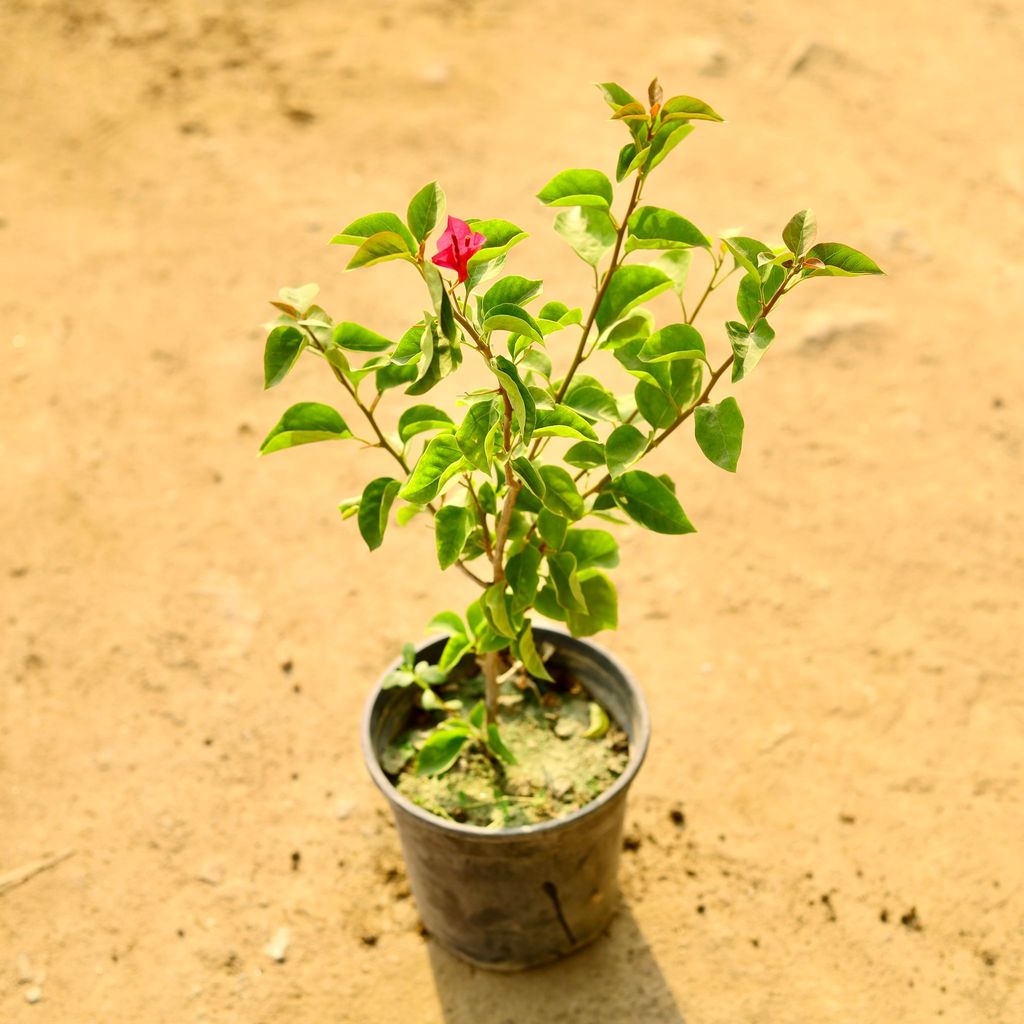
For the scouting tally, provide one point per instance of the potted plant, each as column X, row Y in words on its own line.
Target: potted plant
column 506, row 747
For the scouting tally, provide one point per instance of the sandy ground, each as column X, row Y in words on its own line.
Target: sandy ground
column 188, row 633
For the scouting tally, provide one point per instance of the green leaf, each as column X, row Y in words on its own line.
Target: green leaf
column 478, row 716
column 560, row 313
column 665, row 140
column 599, row 722
column 631, row 157
column 589, row 397
column 579, row 187
column 440, row 358
column 393, row 376
column 424, row 209
column 588, row 230
column 537, row 360
column 748, row 346
column 689, row 107
column 552, row 528
column 655, row 406
column 501, row 235
column 615, row 96
column 527, row 472
column 799, row 233
column 841, row 261
column 446, row 318
column 602, row 605
column 746, row 252
column 631, row 111
column 719, row 431
column 284, row 346
column 592, row 548
column 410, row 346
column 524, row 409
column 526, row 651
column 440, row 461
column 374, row 506
column 451, row 528
column 751, row 292
column 457, row 646
column 630, row 285
column 547, row 603
column 305, row 423
column 359, row 339
column 676, row 264
column 652, row 227
column 562, row 570
column 496, row 745
column 585, row 455
column 418, row 419
column 512, row 289
column 647, row 501
column 624, row 446
column 561, row 421
column 496, row 607
column 560, row 494
column 686, row 380
column 677, row 341
column 385, row 245
column 507, row 316
column 449, row 622
column 472, row 433
column 522, row 574
column 637, row 324
column 372, row 224
column 441, row 750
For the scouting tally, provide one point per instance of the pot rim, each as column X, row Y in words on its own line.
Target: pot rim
column 637, row 752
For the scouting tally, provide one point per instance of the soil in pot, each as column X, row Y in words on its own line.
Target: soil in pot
column 567, row 749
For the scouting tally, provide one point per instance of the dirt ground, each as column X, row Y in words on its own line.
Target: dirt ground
column 833, row 662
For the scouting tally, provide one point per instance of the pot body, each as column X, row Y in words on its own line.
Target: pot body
column 508, row 899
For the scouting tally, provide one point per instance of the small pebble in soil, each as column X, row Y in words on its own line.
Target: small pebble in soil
column 988, row 958
column 884, row 916
column 33, row 994
column 677, row 817
column 296, row 860
column 211, row 874
column 277, row 947
column 700, row 908
column 370, row 939
column 343, row 808
column 631, row 841
column 911, row 921
column 287, row 665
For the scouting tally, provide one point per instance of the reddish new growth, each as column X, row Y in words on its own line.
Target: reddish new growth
column 455, row 246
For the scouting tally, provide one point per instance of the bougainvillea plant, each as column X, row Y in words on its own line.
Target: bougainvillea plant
column 519, row 476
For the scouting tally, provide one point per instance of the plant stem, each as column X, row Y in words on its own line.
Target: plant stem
column 606, row 280
column 512, row 485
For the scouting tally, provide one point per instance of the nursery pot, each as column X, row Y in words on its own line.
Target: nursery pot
column 513, row 898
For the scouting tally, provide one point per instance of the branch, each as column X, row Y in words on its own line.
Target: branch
column 705, row 395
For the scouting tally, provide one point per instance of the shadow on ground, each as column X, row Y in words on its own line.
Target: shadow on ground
column 616, row 979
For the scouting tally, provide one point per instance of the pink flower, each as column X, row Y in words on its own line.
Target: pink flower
column 457, row 243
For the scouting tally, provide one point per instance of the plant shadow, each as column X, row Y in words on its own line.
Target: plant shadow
column 615, row 979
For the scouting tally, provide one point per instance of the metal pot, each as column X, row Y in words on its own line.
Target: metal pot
column 508, row 899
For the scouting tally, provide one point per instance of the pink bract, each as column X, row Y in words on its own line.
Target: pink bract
column 457, row 243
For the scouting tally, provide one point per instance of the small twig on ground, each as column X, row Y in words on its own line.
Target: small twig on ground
column 19, row 876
